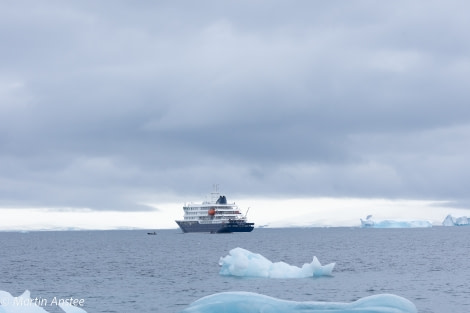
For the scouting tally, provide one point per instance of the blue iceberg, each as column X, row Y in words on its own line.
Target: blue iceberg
column 369, row 223
column 25, row 304
column 241, row 262
column 452, row 221
column 246, row 302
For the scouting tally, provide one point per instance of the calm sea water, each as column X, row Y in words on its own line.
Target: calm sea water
column 130, row 271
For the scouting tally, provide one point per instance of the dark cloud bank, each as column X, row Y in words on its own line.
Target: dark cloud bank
column 110, row 104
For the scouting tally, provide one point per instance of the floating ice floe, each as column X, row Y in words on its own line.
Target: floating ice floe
column 24, row 304
column 241, row 262
column 246, row 302
column 453, row 221
column 369, row 223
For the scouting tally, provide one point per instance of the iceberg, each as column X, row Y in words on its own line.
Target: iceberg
column 452, row 221
column 247, row 302
column 25, row 304
column 369, row 223
column 241, row 262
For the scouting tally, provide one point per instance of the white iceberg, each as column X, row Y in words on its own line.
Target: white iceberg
column 25, row 304
column 369, row 223
column 241, row 262
column 246, row 302
column 452, row 221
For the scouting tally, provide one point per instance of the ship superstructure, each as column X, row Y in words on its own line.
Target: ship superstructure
column 214, row 216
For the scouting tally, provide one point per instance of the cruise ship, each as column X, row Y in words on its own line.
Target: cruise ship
column 215, row 216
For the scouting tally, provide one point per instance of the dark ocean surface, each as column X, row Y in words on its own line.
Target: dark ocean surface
column 130, row 271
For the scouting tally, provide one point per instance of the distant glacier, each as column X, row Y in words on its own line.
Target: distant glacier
column 369, row 223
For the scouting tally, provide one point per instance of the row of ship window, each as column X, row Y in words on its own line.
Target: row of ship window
column 204, row 217
column 201, row 209
column 204, row 213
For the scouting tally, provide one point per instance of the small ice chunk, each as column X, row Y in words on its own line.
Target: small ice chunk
column 21, row 304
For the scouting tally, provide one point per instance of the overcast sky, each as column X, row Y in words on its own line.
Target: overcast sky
column 109, row 105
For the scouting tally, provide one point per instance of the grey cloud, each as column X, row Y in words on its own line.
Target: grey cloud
column 108, row 105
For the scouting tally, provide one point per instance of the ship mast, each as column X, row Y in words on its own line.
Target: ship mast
column 215, row 193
